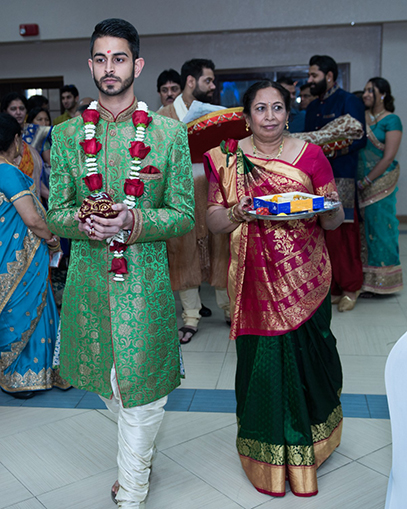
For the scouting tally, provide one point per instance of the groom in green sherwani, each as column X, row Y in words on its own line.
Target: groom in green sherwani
column 119, row 334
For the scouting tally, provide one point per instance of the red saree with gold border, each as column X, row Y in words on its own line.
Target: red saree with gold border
column 289, row 376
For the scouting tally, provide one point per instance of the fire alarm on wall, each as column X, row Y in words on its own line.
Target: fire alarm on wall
column 29, row 29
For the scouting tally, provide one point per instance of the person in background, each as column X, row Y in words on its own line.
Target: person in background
column 28, row 315
column 168, row 86
column 191, row 257
column 39, row 116
column 378, row 173
column 296, row 121
column 37, row 101
column 83, row 105
column 343, row 243
column 288, row 377
column 37, row 133
column 69, row 100
column 27, row 158
column 306, row 96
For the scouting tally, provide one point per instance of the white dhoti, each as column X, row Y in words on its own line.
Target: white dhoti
column 137, row 429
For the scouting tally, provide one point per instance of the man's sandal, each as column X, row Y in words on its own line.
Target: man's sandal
column 187, row 330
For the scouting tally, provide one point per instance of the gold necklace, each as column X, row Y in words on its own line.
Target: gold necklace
column 8, row 162
column 255, row 150
column 375, row 117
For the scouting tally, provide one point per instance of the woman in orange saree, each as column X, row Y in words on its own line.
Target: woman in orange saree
column 289, row 376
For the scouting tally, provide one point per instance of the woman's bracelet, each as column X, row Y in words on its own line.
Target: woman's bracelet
column 231, row 215
column 363, row 184
column 55, row 248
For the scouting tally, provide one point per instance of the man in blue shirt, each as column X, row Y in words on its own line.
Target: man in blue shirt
column 344, row 242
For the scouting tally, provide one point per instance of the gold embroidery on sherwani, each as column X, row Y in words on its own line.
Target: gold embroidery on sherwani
column 134, row 321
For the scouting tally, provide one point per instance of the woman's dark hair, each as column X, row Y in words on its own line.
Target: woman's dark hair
column 9, row 127
column 251, row 92
column 383, row 86
column 34, row 112
column 115, row 27
column 9, row 98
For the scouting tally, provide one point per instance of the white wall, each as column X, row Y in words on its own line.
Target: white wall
column 394, row 69
column 358, row 45
column 62, row 19
column 235, row 34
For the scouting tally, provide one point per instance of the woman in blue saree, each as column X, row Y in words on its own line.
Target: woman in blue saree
column 378, row 173
column 28, row 314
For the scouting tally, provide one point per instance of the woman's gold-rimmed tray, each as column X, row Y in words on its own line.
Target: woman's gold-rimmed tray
column 328, row 205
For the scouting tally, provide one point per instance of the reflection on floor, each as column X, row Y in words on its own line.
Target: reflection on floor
column 58, row 450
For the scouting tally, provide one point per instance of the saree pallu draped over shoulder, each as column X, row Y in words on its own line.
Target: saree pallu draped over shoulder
column 287, row 260
column 289, row 376
column 382, row 272
column 28, row 314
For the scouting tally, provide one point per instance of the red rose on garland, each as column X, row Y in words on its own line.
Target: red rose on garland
column 134, row 187
column 138, row 149
column 94, row 181
column 118, row 246
column 119, row 266
column 141, row 117
column 91, row 116
column 149, row 169
column 91, row 147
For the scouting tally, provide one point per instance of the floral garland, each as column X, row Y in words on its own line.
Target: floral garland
column 133, row 186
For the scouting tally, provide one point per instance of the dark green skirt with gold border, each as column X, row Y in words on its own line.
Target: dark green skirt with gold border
column 288, row 408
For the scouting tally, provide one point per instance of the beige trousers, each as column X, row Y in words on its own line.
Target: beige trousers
column 191, row 304
column 137, row 429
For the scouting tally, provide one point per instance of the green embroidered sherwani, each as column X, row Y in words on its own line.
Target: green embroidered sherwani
column 130, row 324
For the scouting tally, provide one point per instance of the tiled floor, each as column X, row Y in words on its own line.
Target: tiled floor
column 57, row 451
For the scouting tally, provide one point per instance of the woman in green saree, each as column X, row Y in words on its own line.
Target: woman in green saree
column 289, row 377
column 378, row 173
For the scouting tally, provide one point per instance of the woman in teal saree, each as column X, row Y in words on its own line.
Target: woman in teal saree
column 289, row 377
column 378, row 173
column 28, row 314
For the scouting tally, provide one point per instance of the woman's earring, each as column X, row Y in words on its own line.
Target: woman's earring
column 286, row 125
column 247, row 127
column 382, row 97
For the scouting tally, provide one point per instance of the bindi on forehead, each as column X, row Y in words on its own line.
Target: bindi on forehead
column 109, row 51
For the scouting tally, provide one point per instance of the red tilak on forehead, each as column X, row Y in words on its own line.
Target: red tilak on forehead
column 109, row 51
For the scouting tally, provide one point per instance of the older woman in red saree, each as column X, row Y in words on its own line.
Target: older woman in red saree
column 289, row 377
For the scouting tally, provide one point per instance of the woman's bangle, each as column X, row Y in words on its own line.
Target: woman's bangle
column 231, row 215
column 363, row 184
column 55, row 248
